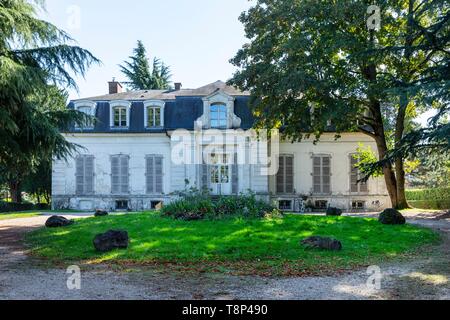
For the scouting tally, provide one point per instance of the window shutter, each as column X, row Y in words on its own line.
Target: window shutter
column 150, row 175
column 280, row 175
column 326, row 175
column 317, row 173
column 124, row 174
column 79, row 175
column 289, row 174
column 89, row 175
column 353, row 174
column 235, row 175
column 115, row 173
column 159, row 174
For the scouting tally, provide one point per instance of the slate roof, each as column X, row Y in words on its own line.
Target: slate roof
column 182, row 108
column 170, row 94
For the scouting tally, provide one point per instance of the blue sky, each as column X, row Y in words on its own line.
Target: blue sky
column 196, row 38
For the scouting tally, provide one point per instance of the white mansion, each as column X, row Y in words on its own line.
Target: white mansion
column 147, row 146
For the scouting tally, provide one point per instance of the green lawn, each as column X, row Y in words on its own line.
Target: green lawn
column 18, row 215
column 269, row 246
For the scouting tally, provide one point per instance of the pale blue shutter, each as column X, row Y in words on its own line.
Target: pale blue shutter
column 89, row 175
column 150, row 175
column 79, row 175
column 326, row 175
column 317, row 175
column 124, row 174
column 158, row 174
column 115, row 175
column 235, row 175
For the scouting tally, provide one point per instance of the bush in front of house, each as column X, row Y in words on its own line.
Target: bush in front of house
column 202, row 206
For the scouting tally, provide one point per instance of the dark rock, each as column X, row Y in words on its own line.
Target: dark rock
column 101, row 213
column 113, row 239
column 391, row 216
column 322, row 243
column 334, row 211
column 57, row 221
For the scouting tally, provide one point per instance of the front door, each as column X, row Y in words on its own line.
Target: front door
column 220, row 173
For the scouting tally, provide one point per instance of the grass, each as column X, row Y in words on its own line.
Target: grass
column 266, row 247
column 18, row 215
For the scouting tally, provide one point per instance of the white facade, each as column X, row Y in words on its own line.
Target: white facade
column 123, row 167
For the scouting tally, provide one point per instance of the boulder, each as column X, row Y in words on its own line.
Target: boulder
column 110, row 240
column 391, row 216
column 101, row 213
column 334, row 211
column 322, row 243
column 57, row 221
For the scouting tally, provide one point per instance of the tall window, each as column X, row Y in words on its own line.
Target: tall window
column 120, row 117
column 120, row 174
column 285, row 175
column 355, row 176
column 84, row 172
column 154, row 117
column 322, row 174
column 220, row 168
column 154, row 174
column 218, row 114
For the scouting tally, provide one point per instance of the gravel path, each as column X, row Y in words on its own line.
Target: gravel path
column 23, row 277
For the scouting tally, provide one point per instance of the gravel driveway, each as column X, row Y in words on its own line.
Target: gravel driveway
column 24, row 277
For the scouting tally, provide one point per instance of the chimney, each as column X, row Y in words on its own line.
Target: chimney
column 178, row 86
column 114, row 86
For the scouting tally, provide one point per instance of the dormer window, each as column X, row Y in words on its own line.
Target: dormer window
column 120, row 117
column 88, row 108
column 120, row 114
column 154, row 114
column 218, row 114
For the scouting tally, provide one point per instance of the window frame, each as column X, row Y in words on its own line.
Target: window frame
column 92, row 106
column 285, row 189
column 222, row 115
column 322, row 175
column 84, row 176
column 119, row 104
column 154, row 104
column 120, row 175
column 358, row 177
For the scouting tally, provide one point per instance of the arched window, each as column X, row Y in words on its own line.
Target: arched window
column 218, row 115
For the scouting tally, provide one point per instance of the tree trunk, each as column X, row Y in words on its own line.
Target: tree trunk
column 402, row 203
column 16, row 192
column 388, row 171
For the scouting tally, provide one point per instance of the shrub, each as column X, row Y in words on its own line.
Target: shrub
column 435, row 194
column 437, row 198
column 25, row 206
column 201, row 206
column 430, row 204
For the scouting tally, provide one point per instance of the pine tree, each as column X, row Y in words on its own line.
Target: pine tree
column 139, row 73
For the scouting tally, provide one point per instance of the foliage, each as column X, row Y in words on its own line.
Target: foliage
column 197, row 206
column 139, row 73
column 248, row 246
column 430, row 204
column 38, row 184
column 309, row 62
column 14, row 207
column 429, row 194
column 35, row 58
column 366, row 158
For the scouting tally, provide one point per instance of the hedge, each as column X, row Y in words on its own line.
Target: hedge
column 437, row 198
column 430, row 204
column 436, row 194
column 14, row 207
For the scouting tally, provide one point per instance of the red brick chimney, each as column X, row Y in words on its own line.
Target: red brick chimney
column 114, row 87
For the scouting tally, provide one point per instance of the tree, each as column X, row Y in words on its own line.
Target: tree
column 309, row 62
column 35, row 58
column 39, row 183
column 139, row 73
